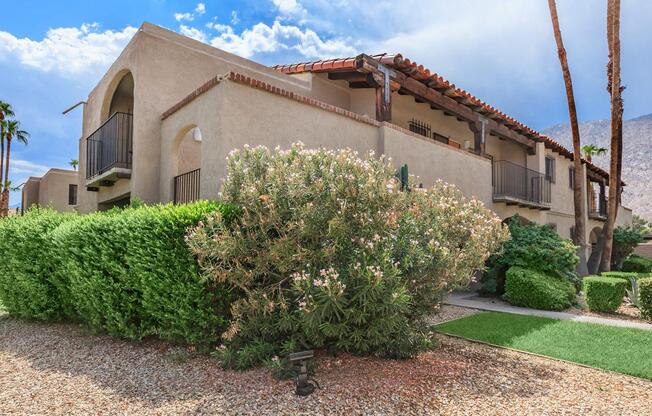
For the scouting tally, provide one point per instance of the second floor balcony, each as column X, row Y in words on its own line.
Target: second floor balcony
column 517, row 185
column 109, row 151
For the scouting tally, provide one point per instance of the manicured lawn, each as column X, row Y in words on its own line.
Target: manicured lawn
column 624, row 350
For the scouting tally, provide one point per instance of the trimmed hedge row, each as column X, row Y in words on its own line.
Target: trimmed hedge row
column 127, row 272
column 637, row 264
column 534, row 289
column 604, row 294
column 645, row 297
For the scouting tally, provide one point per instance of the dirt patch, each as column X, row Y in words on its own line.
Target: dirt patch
column 60, row 369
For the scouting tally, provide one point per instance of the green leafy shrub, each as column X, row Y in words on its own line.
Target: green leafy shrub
column 27, row 260
column 604, row 294
column 533, row 247
column 127, row 272
column 327, row 252
column 625, row 276
column 534, row 289
column 638, row 264
column 645, row 297
column 625, row 240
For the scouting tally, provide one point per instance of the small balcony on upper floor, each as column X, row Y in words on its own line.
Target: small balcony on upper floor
column 109, row 151
column 517, row 185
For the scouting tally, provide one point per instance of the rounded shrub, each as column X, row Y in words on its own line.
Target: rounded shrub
column 533, row 289
column 626, row 276
column 327, row 252
column 625, row 239
column 645, row 297
column 604, row 294
column 534, row 247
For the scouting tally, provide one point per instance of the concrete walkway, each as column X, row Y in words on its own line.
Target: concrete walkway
column 471, row 300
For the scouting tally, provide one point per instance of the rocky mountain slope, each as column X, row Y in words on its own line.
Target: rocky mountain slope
column 637, row 156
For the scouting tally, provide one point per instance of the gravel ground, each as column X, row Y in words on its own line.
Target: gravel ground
column 451, row 312
column 61, row 369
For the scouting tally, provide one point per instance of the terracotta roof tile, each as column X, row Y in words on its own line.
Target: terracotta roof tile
column 437, row 82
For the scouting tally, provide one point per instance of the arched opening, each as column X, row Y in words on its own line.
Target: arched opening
column 519, row 219
column 122, row 99
column 186, row 164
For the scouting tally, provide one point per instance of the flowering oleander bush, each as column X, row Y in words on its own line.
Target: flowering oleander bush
column 327, row 252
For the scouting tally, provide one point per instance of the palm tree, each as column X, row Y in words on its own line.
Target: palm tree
column 74, row 163
column 580, row 222
column 5, row 111
column 615, row 91
column 590, row 150
column 12, row 131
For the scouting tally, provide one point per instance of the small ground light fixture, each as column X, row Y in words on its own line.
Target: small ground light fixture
column 302, row 380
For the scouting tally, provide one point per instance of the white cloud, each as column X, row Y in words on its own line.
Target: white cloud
column 26, row 168
column 262, row 38
column 200, row 9
column 67, row 50
column 193, row 33
column 184, row 16
column 290, row 8
column 234, row 18
column 219, row 27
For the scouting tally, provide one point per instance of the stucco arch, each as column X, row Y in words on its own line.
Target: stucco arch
column 594, row 235
column 186, row 150
column 119, row 96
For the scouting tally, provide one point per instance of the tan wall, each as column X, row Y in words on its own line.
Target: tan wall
column 506, row 150
column 430, row 161
column 166, row 67
column 30, row 193
column 51, row 190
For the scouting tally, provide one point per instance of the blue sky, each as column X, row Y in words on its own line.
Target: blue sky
column 53, row 53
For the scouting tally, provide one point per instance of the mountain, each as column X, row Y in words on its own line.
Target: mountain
column 637, row 156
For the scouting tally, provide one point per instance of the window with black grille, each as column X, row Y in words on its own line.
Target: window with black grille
column 571, row 177
column 72, row 194
column 419, row 127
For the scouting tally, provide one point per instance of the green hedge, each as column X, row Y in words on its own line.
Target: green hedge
column 127, row 272
column 26, row 264
column 604, row 294
column 645, row 297
column 534, row 289
column 638, row 264
column 626, row 276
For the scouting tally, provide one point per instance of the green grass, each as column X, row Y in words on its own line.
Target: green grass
column 624, row 350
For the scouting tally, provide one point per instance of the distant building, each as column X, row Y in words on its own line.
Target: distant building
column 56, row 189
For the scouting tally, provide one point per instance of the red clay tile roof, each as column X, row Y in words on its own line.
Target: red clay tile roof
column 435, row 81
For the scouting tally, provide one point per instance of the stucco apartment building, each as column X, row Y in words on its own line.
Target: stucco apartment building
column 161, row 122
column 56, row 189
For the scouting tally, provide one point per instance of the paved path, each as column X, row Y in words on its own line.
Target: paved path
column 471, row 300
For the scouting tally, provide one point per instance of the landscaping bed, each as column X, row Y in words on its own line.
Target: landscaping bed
column 624, row 350
column 61, row 369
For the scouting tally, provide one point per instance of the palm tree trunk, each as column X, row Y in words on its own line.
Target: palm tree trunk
column 2, row 158
column 613, row 74
column 4, row 203
column 578, row 200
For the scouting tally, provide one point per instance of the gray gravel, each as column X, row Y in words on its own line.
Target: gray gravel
column 61, row 369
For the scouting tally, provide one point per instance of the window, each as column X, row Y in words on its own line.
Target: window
column 440, row 138
column 571, row 177
column 419, row 127
column 550, row 169
column 72, row 194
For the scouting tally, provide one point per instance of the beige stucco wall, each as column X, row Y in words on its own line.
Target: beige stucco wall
column 500, row 149
column 50, row 190
column 30, row 193
column 166, row 67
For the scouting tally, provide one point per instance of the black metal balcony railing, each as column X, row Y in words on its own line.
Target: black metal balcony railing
column 110, row 146
column 515, row 183
column 598, row 208
column 186, row 187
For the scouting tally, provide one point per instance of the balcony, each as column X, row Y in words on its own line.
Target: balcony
column 109, row 151
column 186, row 187
column 517, row 185
column 598, row 209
